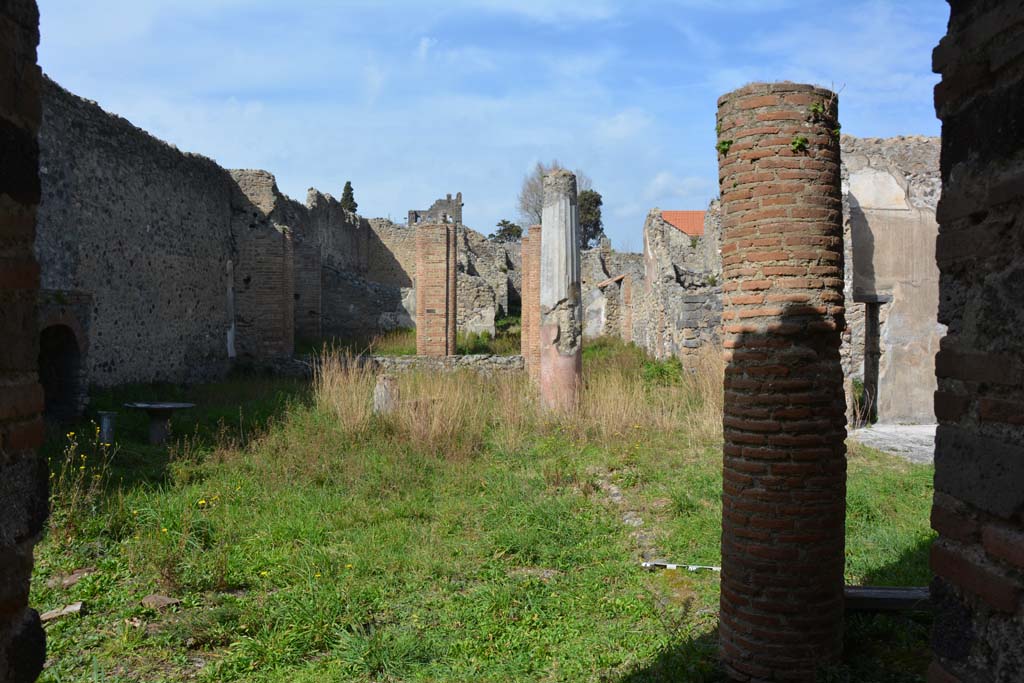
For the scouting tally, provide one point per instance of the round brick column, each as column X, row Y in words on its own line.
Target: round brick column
column 784, row 464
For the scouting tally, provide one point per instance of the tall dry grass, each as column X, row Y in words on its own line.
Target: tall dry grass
column 453, row 414
column 343, row 388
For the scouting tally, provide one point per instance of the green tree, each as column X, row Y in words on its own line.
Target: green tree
column 591, row 226
column 507, row 232
column 348, row 199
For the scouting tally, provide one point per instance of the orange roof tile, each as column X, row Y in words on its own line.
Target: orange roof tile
column 688, row 222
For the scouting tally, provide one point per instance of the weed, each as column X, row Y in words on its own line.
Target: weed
column 723, row 146
column 799, row 144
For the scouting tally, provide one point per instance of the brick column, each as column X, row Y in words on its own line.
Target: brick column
column 23, row 477
column 784, row 466
column 978, row 510
column 436, row 253
column 561, row 305
column 530, row 343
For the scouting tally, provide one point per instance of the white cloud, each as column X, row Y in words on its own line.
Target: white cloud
column 665, row 186
column 625, row 125
column 374, row 78
column 552, row 11
column 423, row 49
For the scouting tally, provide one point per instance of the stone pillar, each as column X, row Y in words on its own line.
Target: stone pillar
column 436, row 254
column 978, row 510
column 23, row 476
column 530, row 342
column 784, row 465
column 561, row 305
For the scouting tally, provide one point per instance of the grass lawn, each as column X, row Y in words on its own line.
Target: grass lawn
column 466, row 538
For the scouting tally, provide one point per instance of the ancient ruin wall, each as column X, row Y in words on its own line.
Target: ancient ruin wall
column 391, row 259
column 891, row 187
column 978, row 559
column 677, row 304
column 146, row 231
column 784, row 466
column 23, row 478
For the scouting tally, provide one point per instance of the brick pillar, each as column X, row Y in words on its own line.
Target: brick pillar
column 23, row 477
column 561, row 305
column 784, row 466
column 978, row 510
column 436, row 253
column 530, row 343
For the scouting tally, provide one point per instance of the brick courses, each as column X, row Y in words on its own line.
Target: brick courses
column 436, row 305
column 978, row 510
column 784, row 467
column 530, row 344
column 23, row 478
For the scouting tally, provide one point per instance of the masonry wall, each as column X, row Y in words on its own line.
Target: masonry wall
column 978, row 559
column 436, row 249
column 23, row 473
column 145, row 230
column 602, row 272
column 308, row 290
column 677, row 304
column 891, row 187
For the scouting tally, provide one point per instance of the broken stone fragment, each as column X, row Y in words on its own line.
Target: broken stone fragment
column 73, row 608
column 69, row 580
column 156, row 601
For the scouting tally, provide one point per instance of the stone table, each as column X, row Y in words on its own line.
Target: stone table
column 159, row 418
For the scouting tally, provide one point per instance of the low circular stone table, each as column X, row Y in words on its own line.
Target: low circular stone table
column 159, row 418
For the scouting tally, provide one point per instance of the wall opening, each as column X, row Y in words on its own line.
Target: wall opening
column 60, row 365
column 867, row 408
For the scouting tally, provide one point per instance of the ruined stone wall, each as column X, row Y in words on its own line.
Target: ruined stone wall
column 391, row 259
column 891, row 188
column 487, row 272
column 23, row 478
column 146, row 231
column 603, row 272
column 978, row 559
column 677, row 305
column 447, row 210
column 308, row 290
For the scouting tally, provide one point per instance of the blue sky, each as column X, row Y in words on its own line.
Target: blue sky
column 414, row 99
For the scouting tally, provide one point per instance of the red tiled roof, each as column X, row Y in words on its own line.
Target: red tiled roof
column 688, row 222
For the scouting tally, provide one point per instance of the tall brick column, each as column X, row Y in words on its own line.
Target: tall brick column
column 436, row 259
column 784, row 466
column 978, row 559
column 561, row 304
column 530, row 342
column 23, row 478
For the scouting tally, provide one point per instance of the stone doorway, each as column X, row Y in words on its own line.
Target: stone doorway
column 60, row 372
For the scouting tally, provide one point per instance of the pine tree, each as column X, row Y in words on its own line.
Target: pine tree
column 348, row 199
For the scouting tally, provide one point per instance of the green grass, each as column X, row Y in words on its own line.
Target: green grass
column 402, row 342
column 304, row 552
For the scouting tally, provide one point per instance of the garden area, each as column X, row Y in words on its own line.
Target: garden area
column 287, row 533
